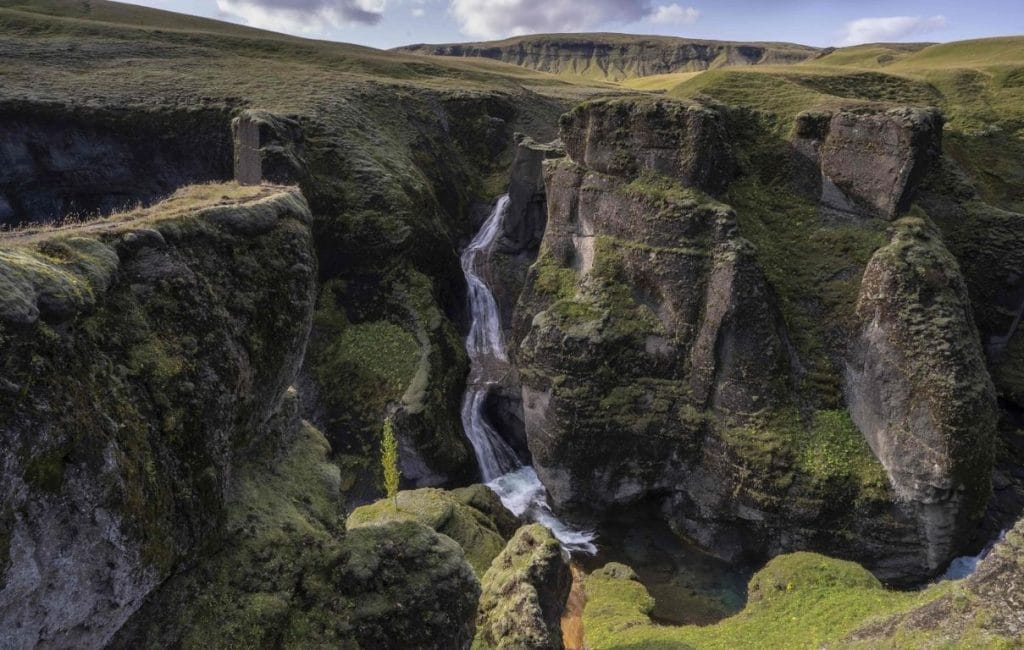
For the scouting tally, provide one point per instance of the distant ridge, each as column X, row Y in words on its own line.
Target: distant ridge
column 617, row 57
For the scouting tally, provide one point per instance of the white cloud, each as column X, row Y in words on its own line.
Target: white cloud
column 304, row 16
column 675, row 14
column 499, row 18
column 890, row 28
column 419, row 13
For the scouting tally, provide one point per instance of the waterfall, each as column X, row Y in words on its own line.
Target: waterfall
column 518, row 486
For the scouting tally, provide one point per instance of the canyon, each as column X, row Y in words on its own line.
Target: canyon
column 764, row 320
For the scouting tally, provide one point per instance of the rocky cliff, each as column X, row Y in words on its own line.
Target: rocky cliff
column 60, row 163
column 141, row 355
column 658, row 362
column 615, row 56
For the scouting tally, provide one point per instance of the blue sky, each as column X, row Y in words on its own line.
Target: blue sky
column 388, row 23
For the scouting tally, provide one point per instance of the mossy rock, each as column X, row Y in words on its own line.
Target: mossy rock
column 524, row 593
column 477, row 531
column 287, row 574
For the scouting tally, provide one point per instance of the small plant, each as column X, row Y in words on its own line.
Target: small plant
column 389, row 460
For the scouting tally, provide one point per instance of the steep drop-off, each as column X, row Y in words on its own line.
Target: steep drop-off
column 140, row 356
column 57, row 163
column 657, row 361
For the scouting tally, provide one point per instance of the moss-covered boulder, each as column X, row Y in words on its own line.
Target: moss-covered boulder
column 524, row 593
column 139, row 355
column 287, row 575
column 473, row 517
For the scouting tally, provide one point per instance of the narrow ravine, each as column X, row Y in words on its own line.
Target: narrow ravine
column 516, row 484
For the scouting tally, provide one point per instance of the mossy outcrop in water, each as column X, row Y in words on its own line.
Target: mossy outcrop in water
column 139, row 356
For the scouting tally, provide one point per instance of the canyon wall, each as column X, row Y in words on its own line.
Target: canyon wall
column 657, row 363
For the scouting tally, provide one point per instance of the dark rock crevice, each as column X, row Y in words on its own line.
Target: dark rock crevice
column 58, row 162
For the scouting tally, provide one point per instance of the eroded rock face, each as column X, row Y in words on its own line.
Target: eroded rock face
column 524, row 593
column 596, row 57
column 870, row 163
column 647, row 313
column 623, row 137
column 656, row 366
column 138, row 358
column 523, row 226
column 917, row 386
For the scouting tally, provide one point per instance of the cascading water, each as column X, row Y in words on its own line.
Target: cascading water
column 517, row 485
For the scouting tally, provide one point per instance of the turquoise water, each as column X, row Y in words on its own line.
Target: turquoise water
column 688, row 585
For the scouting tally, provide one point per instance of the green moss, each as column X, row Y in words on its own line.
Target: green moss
column 477, row 533
column 815, row 268
column 553, row 279
column 369, row 363
column 287, row 574
column 46, row 471
column 829, row 452
column 527, row 578
column 662, row 189
column 800, row 600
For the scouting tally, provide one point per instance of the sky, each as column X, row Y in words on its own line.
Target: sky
column 389, row 23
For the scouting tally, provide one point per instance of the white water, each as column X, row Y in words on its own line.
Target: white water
column 965, row 565
column 517, row 485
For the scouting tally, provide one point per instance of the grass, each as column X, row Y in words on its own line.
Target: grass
column 814, row 266
column 660, row 82
column 800, row 600
column 185, row 201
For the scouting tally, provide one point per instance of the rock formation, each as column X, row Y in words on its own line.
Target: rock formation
column 524, row 592
column 918, row 388
column 870, row 163
column 473, row 517
column 656, row 363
